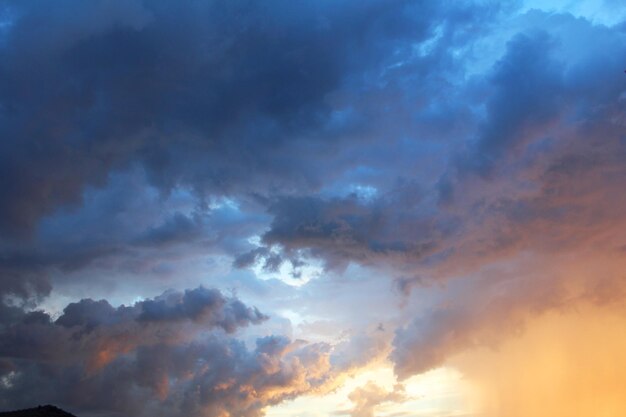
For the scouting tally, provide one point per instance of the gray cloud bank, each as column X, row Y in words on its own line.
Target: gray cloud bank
column 170, row 355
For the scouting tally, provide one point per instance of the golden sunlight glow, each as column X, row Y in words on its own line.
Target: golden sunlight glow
column 439, row 393
column 566, row 364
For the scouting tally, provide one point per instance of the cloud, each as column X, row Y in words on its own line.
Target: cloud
column 112, row 109
column 199, row 305
column 533, row 227
column 369, row 396
column 125, row 227
column 95, row 333
column 163, row 356
column 340, row 230
column 527, row 95
column 212, row 377
column 524, row 138
column 210, row 95
column 500, row 302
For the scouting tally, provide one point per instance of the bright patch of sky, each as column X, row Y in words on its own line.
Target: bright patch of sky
column 6, row 381
column 364, row 192
column 441, row 392
column 288, row 273
column 604, row 12
column 425, row 48
column 6, row 21
column 484, row 52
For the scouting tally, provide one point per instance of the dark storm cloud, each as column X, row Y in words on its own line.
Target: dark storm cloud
column 341, row 230
column 538, row 89
column 25, row 281
column 527, row 84
column 161, row 356
column 126, row 226
column 96, row 332
column 543, row 102
column 215, row 98
column 120, row 358
column 200, row 305
column 208, row 94
column 209, row 377
column 175, row 229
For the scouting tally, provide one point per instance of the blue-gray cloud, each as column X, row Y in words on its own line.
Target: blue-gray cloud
column 173, row 355
column 236, row 99
column 208, row 94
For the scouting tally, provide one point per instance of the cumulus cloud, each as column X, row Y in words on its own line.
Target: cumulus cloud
column 162, row 356
column 95, row 332
column 369, row 396
column 213, row 377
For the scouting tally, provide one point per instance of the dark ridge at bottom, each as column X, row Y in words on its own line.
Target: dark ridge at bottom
column 41, row 411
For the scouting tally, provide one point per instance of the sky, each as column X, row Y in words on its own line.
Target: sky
column 288, row 208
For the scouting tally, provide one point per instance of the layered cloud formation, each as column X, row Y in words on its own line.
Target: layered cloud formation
column 408, row 180
column 170, row 355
